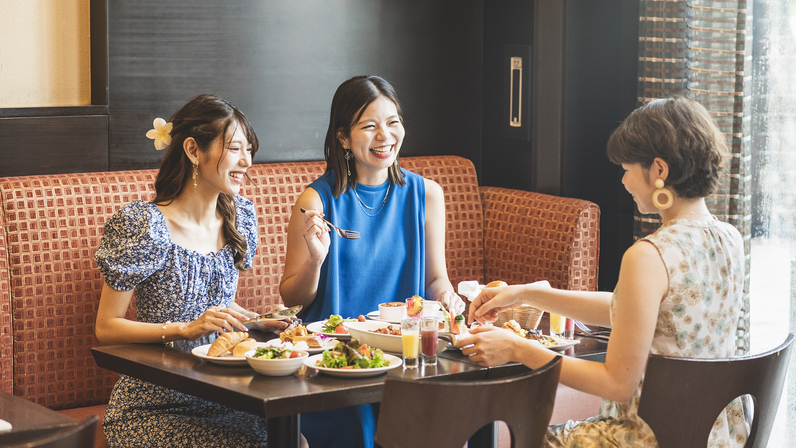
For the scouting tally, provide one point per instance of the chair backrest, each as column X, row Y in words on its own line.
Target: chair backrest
column 81, row 435
column 682, row 397
column 446, row 413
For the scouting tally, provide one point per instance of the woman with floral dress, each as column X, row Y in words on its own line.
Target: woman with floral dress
column 181, row 254
column 679, row 290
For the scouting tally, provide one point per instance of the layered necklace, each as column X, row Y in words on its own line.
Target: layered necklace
column 383, row 201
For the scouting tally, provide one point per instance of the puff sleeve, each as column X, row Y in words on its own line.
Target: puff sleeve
column 247, row 226
column 134, row 245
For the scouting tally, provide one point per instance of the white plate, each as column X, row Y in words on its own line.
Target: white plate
column 375, row 315
column 316, row 327
column 561, row 343
column 224, row 360
column 395, row 361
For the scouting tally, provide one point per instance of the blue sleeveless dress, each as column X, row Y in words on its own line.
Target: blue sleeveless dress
column 387, row 263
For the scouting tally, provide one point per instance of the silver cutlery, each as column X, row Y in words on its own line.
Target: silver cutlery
column 347, row 234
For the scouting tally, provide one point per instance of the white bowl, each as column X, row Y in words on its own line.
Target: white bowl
column 275, row 367
column 392, row 313
column 388, row 343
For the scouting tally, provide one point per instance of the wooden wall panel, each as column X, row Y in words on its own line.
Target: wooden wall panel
column 280, row 62
column 53, row 144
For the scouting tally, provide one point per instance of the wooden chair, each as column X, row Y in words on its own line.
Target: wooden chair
column 682, row 397
column 81, row 435
column 444, row 414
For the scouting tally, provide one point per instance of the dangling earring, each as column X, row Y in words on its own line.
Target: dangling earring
column 661, row 191
column 195, row 173
column 347, row 158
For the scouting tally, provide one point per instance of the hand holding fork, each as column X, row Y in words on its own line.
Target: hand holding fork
column 347, row 234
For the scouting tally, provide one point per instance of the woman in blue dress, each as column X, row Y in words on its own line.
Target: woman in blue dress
column 181, row 254
column 400, row 217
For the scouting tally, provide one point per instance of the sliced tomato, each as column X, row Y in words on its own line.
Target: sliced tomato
column 295, row 355
column 341, row 329
column 363, row 349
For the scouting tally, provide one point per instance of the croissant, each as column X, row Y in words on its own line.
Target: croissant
column 225, row 342
column 496, row 284
column 239, row 350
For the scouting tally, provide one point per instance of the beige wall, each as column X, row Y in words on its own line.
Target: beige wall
column 44, row 53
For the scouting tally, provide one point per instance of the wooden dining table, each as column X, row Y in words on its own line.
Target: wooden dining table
column 281, row 400
column 29, row 420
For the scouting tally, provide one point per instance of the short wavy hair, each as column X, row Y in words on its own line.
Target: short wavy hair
column 680, row 131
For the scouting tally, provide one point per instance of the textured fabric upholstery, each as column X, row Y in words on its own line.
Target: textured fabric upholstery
column 52, row 225
column 533, row 236
column 6, row 339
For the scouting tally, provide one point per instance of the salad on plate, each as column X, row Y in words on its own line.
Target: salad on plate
column 352, row 355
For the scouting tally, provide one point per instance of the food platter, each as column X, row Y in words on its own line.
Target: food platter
column 316, row 327
column 561, row 343
column 329, row 345
column 224, row 360
column 394, row 361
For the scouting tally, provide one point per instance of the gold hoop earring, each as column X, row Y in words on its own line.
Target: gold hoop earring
column 661, row 191
column 195, row 173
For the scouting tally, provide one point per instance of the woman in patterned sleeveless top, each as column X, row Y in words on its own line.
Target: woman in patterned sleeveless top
column 679, row 290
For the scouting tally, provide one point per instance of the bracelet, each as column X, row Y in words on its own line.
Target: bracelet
column 163, row 333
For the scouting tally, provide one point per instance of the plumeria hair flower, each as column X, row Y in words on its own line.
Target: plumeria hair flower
column 161, row 133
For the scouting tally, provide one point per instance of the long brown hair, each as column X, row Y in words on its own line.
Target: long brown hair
column 349, row 103
column 205, row 118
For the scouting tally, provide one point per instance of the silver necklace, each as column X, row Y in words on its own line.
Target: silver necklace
column 383, row 201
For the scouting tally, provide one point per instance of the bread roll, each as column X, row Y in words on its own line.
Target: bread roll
column 243, row 347
column 225, row 342
column 496, row 284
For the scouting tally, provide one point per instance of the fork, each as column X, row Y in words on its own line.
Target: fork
column 347, row 234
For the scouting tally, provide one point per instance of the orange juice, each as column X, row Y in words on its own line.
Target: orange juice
column 411, row 344
column 557, row 324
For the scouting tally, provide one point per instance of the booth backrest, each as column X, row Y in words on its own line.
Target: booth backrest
column 50, row 286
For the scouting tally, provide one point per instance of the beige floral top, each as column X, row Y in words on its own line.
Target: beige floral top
column 697, row 319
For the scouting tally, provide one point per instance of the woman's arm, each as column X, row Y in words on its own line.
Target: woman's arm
column 643, row 283
column 438, row 285
column 591, row 307
column 113, row 328
column 307, row 246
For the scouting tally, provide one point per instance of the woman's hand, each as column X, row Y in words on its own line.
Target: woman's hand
column 316, row 234
column 452, row 302
column 271, row 326
column 489, row 346
column 214, row 320
column 492, row 301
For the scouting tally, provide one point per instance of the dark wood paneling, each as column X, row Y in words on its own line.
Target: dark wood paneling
column 52, row 145
column 280, row 61
column 98, row 21
column 600, row 84
column 505, row 162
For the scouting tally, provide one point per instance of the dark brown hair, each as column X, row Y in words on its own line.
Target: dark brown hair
column 680, row 131
column 349, row 103
column 205, row 118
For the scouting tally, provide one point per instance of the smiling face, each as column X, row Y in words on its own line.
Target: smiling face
column 637, row 183
column 375, row 140
column 223, row 167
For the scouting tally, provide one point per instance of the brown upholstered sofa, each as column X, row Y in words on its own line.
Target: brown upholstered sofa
column 52, row 224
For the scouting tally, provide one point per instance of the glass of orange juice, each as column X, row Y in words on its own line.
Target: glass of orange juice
column 557, row 324
column 410, row 339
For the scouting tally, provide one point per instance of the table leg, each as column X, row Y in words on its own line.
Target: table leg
column 284, row 431
column 486, row 437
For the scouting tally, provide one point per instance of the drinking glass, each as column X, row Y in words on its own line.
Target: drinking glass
column 561, row 327
column 429, row 327
column 410, row 338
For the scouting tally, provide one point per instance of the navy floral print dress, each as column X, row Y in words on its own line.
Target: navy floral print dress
column 172, row 284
